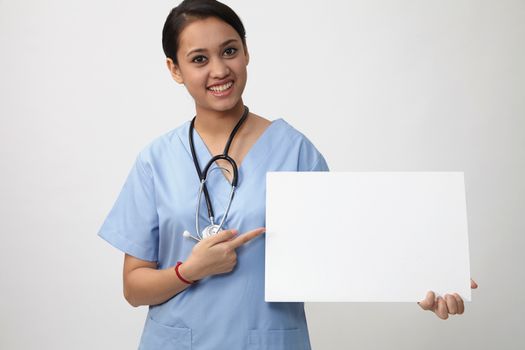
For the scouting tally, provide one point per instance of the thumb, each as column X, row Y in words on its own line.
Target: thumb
column 222, row 236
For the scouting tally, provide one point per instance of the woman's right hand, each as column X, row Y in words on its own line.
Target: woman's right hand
column 216, row 254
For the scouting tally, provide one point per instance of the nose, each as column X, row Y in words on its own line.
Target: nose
column 219, row 69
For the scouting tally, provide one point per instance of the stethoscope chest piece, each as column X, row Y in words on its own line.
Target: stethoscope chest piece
column 210, row 230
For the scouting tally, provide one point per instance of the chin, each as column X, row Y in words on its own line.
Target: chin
column 223, row 107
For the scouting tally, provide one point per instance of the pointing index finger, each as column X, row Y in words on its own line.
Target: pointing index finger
column 246, row 237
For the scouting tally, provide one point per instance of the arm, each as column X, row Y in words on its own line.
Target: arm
column 144, row 284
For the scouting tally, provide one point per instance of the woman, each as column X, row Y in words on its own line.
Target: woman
column 209, row 294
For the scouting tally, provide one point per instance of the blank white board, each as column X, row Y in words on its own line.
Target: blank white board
column 365, row 236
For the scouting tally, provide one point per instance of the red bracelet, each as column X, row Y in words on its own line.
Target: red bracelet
column 178, row 273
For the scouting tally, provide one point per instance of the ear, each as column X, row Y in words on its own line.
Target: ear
column 247, row 54
column 175, row 72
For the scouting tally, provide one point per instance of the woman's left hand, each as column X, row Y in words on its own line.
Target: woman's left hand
column 451, row 304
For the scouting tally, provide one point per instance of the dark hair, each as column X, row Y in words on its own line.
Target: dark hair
column 191, row 10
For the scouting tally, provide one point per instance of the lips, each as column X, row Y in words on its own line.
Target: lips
column 221, row 88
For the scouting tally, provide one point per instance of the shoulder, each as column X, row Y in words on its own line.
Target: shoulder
column 291, row 134
column 162, row 146
column 291, row 139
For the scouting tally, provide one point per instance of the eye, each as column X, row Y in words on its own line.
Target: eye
column 199, row 59
column 230, row 51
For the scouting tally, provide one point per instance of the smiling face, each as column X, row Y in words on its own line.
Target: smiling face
column 212, row 64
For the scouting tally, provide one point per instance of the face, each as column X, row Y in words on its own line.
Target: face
column 211, row 64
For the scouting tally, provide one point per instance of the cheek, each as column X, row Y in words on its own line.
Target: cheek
column 240, row 69
column 195, row 82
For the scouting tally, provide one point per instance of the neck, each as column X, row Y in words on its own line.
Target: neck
column 218, row 123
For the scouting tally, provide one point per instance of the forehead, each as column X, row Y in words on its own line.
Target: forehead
column 206, row 33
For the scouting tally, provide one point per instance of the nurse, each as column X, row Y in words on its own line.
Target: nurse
column 210, row 294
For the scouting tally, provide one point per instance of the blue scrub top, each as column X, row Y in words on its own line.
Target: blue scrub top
column 158, row 202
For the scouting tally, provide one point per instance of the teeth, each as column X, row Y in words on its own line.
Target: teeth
column 220, row 88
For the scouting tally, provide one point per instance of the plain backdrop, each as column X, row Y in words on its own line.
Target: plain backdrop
column 376, row 85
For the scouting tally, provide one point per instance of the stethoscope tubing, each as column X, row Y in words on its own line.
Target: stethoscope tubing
column 203, row 175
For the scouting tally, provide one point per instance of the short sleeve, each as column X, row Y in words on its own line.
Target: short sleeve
column 320, row 164
column 132, row 225
column 310, row 159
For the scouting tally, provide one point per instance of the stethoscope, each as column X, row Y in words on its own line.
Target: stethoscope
column 213, row 228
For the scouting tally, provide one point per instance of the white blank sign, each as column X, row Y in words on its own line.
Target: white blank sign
column 365, row 236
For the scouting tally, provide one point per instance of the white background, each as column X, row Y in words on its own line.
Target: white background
column 376, row 85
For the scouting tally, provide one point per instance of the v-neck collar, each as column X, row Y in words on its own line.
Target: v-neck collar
column 204, row 154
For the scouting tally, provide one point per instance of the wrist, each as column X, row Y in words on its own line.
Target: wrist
column 187, row 272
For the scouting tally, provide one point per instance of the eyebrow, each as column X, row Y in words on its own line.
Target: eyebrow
column 203, row 50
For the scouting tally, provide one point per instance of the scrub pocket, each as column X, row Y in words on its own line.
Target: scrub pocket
column 157, row 336
column 279, row 339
